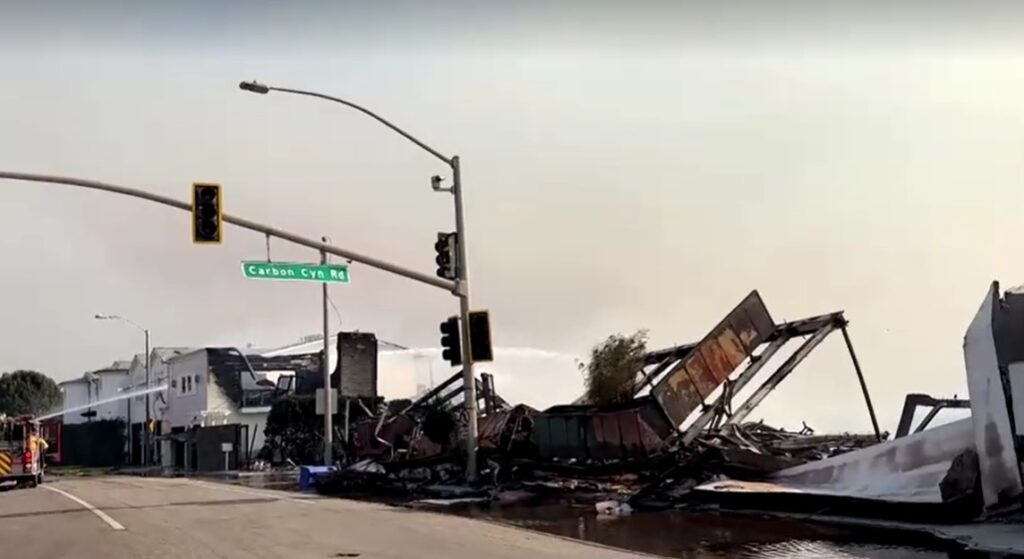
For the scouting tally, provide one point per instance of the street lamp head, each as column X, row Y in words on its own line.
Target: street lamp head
column 253, row 86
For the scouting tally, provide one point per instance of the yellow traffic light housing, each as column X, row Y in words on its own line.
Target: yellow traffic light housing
column 207, row 213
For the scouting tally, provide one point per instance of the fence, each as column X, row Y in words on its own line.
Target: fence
column 96, row 443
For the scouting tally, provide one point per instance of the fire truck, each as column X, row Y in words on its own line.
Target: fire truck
column 19, row 462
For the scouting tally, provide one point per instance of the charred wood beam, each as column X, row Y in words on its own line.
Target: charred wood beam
column 486, row 391
column 786, row 368
column 497, row 402
column 434, row 392
column 811, row 325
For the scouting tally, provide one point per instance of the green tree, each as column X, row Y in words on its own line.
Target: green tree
column 28, row 392
column 613, row 368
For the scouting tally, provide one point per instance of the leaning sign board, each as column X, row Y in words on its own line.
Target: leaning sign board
column 292, row 271
column 714, row 358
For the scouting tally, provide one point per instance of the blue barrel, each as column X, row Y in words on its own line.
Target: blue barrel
column 307, row 475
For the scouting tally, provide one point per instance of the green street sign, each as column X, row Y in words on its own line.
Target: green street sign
column 293, row 271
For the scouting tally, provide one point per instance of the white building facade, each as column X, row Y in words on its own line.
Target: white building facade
column 87, row 396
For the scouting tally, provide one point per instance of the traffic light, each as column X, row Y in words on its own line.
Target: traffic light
column 206, row 213
column 445, row 247
column 451, row 342
column 480, row 336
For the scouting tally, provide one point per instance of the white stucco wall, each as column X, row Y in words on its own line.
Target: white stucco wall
column 137, row 381
column 99, row 386
column 75, row 394
column 185, row 409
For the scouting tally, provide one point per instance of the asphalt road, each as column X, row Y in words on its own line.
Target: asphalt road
column 113, row 517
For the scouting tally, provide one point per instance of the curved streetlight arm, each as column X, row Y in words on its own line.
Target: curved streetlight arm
column 129, row 321
column 257, row 89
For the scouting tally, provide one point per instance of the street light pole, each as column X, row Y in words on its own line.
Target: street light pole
column 328, row 401
column 145, row 442
column 147, row 453
column 461, row 289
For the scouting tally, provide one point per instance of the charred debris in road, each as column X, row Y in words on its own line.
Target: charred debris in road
column 682, row 428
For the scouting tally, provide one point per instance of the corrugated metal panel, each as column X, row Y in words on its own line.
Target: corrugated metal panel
column 394, row 430
column 623, row 432
column 606, row 436
column 496, row 425
column 714, row 358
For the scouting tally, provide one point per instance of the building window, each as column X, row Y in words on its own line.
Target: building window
column 187, row 386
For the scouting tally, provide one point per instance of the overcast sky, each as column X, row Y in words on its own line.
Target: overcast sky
column 633, row 165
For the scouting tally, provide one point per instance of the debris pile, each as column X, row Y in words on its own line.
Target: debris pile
column 680, row 440
column 755, row 449
column 637, row 448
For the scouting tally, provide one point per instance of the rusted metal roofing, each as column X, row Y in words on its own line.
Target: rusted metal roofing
column 634, row 430
column 705, row 366
column 498, row 429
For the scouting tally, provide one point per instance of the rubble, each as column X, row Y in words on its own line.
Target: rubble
column 681, row 440
column 613, row 508
column 762, row 449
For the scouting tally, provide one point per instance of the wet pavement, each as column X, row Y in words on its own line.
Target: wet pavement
column 690, row 535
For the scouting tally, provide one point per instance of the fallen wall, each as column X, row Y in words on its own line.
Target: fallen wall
column 908, row 469
column 990, row 408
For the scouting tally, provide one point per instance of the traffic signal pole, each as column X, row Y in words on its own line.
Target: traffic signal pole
column 462, row 292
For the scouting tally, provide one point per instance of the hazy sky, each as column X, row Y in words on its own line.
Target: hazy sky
column 625, row 167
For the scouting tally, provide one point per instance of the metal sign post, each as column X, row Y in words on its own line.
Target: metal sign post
column 226, row 448
column 326, row 365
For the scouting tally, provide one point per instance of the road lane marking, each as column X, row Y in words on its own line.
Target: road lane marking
column 266, row 494
column 103, row 516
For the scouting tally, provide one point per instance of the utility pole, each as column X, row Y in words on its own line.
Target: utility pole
column 328, row 403
column 147, row 451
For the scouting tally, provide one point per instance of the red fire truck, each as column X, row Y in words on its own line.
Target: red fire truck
column 21, row 461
